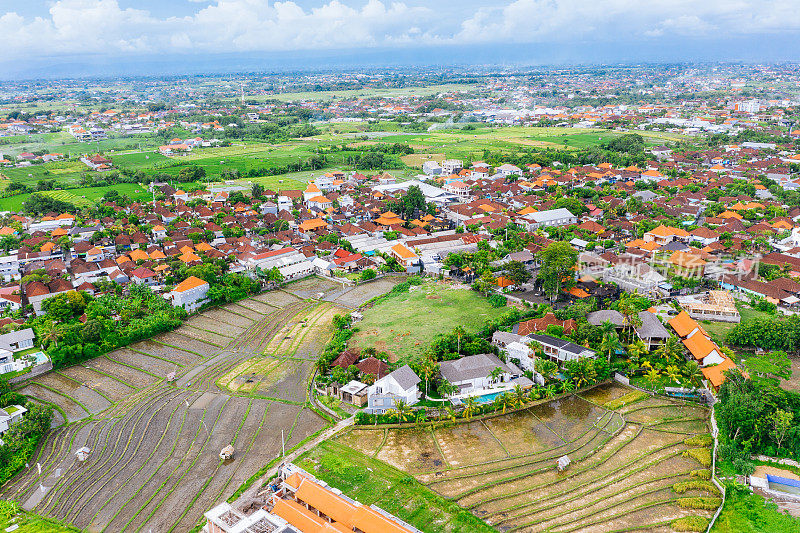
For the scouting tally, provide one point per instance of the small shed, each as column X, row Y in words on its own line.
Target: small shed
column 170, row 377
column 83, row 453
column 563, row 462
column 227, row 452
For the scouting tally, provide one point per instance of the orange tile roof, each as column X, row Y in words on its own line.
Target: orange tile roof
column 297, row 515
column 189, row 283
column 700, row 346
column 401, row 250
column 683, row 324
column 715, row 375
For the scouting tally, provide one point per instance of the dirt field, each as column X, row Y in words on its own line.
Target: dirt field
column 154, row 463
column 502, row 469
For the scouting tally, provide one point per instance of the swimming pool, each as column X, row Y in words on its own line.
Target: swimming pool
column 41, row 358
column 489, row 398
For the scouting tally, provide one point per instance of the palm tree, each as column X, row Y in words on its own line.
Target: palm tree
column 428, row 368
column 693, row 373
column 609, row 345
column 499, row 403
column 652, row 376
column 636, row 349
column 519, row 396
column 673, row 373
column 567, row 386
column 673, row 348
column 550, row 391
column 607, row 328
column 52, row 333
column 401, row 410
column 470, row 407
column 495, row 374
column 451, row 413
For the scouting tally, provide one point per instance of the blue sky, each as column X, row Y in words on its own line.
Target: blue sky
column 39, row 31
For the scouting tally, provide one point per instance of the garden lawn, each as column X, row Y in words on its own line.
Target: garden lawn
column 718, row 330
column 403, row 325
column 373, row 482
column 750, row 513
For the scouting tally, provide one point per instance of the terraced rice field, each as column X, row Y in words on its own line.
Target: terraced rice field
column 154, row 464
column 503, row 468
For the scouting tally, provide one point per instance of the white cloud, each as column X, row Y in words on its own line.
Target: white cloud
column 609, row 20
column 103, row 26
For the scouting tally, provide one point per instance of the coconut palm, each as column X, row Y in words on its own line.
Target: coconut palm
column 673, row 373
column 52, row 333
column 451, row 413
column 652, row 376
column 428, row 368
column 636, row 349
column 402, row 411
column 610, row 345
column 671, row 349
column 519, row 396
column 550, row 391
column 470, row 407
column 495, row 374
column 693, row 373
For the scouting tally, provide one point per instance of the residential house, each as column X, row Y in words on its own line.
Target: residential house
column 190, row 294
column 400, row 385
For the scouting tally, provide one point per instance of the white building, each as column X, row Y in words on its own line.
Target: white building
column 387, row 391
column 452, row 166
column 560, row 350
column 190, row 294
column 551, row 217
column 9, row 416
column 473, row 372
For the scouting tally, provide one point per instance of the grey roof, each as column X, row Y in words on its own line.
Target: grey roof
column 651, row 327
column 674, row 246
column 596, row 318
column 551, row 214
column 405, row 377
column 505, row 337
column 645, row 195
column 471, row 367
column 523, row 256
column 13, row 337
column 560, row 343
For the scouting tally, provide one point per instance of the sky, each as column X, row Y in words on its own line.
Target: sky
column 84, row 32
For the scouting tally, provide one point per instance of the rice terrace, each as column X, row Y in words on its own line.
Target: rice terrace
column 156, row 414
column 241, row 377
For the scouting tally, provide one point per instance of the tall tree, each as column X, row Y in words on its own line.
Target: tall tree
column 558, row 262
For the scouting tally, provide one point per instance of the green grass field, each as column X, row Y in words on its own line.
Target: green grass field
column 29, row 523
column 373, row 482
column 371, row 92
column 84, row 197
column 404, row 324
column 718, row 330
column 750, row 513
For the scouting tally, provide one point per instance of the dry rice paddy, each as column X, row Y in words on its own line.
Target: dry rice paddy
column 502, row 468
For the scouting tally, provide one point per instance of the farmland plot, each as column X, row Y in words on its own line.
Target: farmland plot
column 162, row 351
column 111, row 388
column 190, row 344
column 251, row 305
column 502, row 468
column 152, row 365
column 361, row 294
column 277, row 299
column 133, row 377
column 205, row 336
column 90, row 399
column 216, row 326
column 230, row 316
column 71, row 408
column 312, row 287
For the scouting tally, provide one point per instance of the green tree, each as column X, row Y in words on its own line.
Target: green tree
column 558, row 262
column 516, row 272
column 780, row 424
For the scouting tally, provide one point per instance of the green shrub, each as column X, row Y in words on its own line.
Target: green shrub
column 690, row 523
column 702, row 473
column 706, row 503
column 701, row 455
column 8, row 509
column 699, row 440
column 697, row 484
column 631, row 397
column 497, row 300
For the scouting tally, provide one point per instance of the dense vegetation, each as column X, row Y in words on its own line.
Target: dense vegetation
column 22, row 438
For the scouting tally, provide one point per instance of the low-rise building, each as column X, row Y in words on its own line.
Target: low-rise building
column 400, row 385
column 191, row 294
